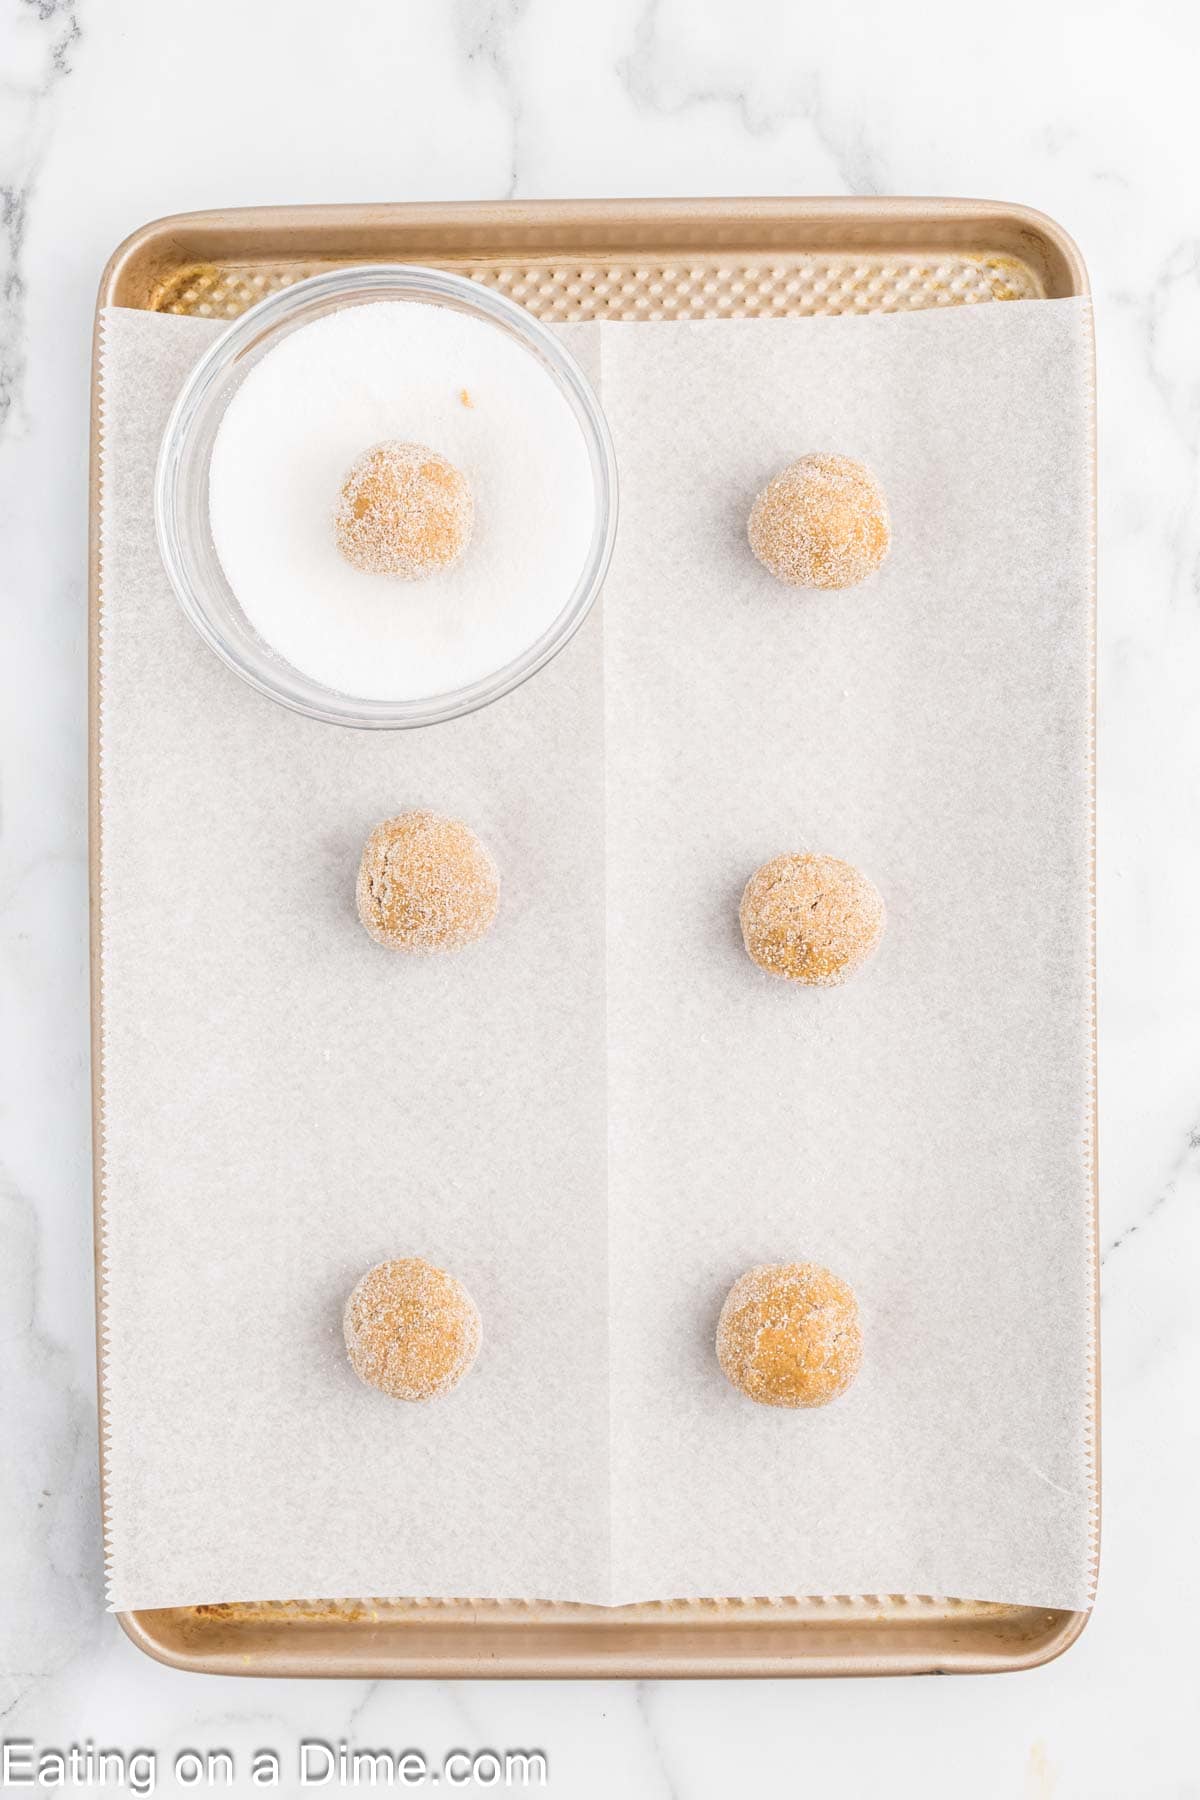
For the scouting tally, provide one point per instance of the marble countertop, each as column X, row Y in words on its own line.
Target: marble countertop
column 113, row 112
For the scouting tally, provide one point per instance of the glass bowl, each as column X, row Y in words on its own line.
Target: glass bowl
column 181, row 491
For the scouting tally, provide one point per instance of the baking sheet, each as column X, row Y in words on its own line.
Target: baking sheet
column 200, row 1486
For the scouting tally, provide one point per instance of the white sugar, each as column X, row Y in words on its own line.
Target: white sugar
column 428, row 375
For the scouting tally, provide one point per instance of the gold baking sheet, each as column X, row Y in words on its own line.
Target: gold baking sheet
column 629, row 260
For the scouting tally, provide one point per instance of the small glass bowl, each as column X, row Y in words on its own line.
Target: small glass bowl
column 181, row 490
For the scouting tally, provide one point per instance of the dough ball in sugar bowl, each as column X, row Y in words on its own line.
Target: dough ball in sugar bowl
column 405, row 511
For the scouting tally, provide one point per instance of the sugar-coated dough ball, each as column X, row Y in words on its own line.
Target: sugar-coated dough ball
column 821, row 523
column 810, row 918
column 789, row 1335
column 426, row 883
column 411, row 1330
column 403, row 510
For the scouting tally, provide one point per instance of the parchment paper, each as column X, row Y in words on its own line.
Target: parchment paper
column 924, row 1130
column 286, row 1104
column 603, row 1113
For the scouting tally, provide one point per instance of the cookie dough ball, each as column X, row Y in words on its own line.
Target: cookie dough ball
column 403, row 510
column 411, row 1330
column 810, row 918
column 822, row 523
column 789, row 1335
column 426, row 883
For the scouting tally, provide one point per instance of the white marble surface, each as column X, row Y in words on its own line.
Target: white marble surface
column 115, row 111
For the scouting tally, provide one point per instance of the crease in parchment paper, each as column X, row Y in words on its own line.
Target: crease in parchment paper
column 603, row 1113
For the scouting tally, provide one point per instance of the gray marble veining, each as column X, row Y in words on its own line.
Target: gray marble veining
column 115, row 111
